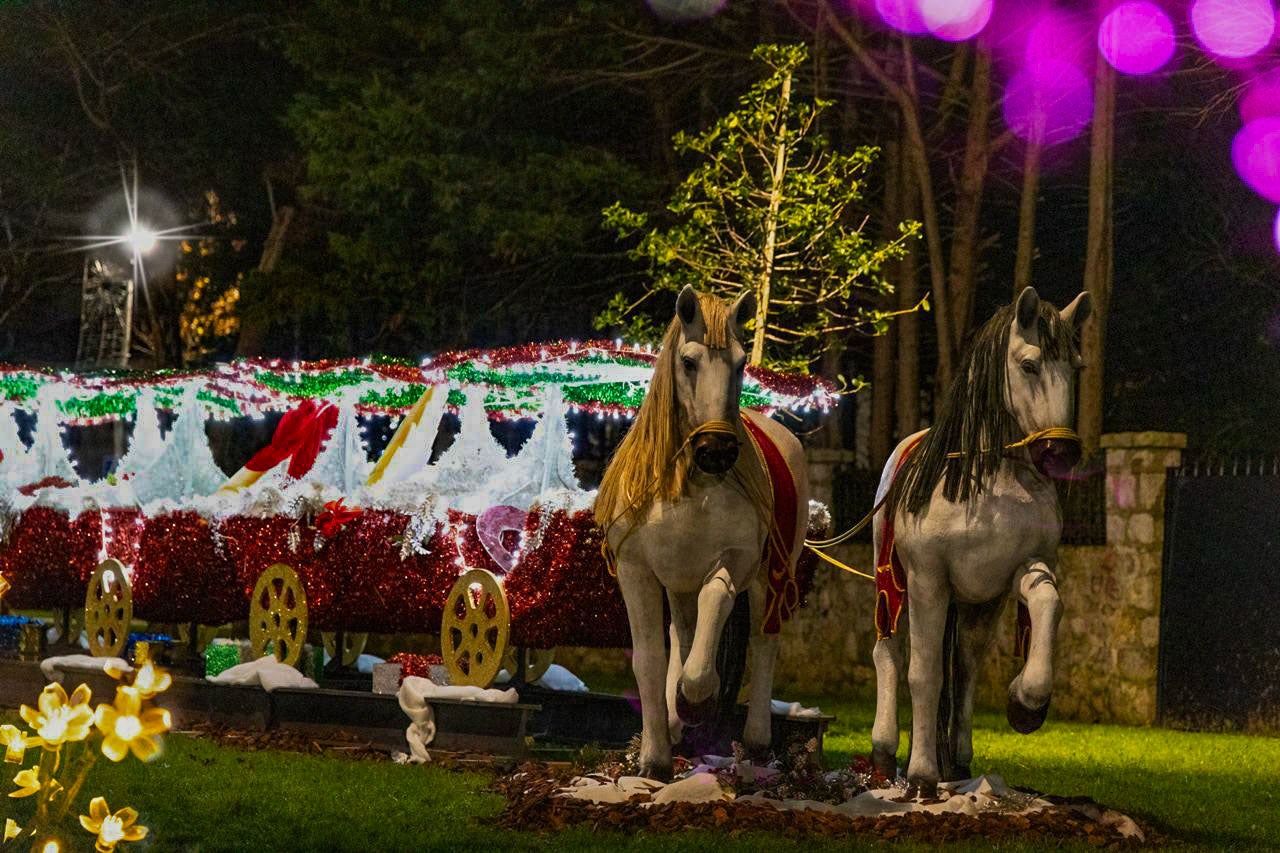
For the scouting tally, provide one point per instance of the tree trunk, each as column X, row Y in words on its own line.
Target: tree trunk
column 908, row 391
column 968, row 205
column 252, row 331
column 1027, row 214
column 1099, row 260
column 771, row 223
column 882, row 367
column 926, row 204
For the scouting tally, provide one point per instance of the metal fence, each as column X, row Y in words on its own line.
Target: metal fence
column 1083, row 501
column 1219, row 619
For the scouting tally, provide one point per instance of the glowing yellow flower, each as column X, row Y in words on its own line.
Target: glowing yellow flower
column 16, row 743
column 126, row 726
column 58, row 719
column 28, row 782
column 110, row 828
column 149, row 681
column 11, row 829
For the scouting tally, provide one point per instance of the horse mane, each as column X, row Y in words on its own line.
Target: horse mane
column 974, row 418
column 651, row 462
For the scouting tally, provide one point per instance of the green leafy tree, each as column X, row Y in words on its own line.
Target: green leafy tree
column 769, row 206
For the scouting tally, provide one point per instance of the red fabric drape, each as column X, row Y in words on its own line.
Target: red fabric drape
column 298, row 437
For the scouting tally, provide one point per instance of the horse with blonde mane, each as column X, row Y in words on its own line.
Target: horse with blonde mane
column 687, row 514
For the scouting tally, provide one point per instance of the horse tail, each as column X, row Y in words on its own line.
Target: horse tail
column 731, row 654
column 948, row 698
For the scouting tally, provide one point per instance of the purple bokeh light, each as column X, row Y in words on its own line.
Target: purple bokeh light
column 1261, row 97
column 1056, row 37
column 1256, row 154
column 1136, row 37
column 902, row 15
column 1275, row 239
column 1048, row 101
column 686, row 10
column 956, row 20
column 1233, row 29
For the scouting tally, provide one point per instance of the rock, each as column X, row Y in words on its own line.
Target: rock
column 698, row 788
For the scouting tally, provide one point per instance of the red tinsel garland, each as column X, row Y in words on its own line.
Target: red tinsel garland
column 361, row 579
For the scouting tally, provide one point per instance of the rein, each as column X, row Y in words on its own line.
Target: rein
column 712, row 427
column 817, row 546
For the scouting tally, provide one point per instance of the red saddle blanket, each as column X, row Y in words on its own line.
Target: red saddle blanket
column 891, row 581
column 782, row 595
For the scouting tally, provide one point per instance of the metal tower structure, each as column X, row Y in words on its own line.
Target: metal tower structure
column 106, row 315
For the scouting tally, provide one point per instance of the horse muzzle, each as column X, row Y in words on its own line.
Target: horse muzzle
column 1055, row 457
column 715, row 453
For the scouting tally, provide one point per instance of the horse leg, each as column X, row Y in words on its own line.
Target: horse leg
column 696, row 699
column 887, row 656
column 684, row 613
column 758, row 732
column 927, row 604
column 1030, row 691
column 975, row 626
column 642, row 595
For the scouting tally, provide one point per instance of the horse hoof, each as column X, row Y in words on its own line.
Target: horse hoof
column 1022, row 719
column 885, row 763
column 656, row 772
column 922, row 790
column 694, row 714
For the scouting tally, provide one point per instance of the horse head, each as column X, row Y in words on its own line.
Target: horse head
column 708, row 374
column 1041, row 379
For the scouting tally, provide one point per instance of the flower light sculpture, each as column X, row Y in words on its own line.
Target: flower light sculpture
column 68, row 735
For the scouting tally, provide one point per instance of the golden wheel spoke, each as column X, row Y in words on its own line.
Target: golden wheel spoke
column 274, row 621
column 469, row 636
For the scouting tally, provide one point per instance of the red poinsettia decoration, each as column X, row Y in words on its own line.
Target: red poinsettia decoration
column 336, row 516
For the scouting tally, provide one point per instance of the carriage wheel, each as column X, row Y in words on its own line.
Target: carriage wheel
column 536, row 663
column 278, row 615
column 475, row 629
column 352, row 646
column 108, row 610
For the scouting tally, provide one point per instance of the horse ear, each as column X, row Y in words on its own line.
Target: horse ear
column 1028, row 308
column 1079, row 311
column 742, row 310
column 690, row 313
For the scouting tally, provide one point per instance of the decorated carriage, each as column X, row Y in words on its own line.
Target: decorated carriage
column 493, row 551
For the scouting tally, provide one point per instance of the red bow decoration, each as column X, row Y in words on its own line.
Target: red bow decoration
column 334, row 518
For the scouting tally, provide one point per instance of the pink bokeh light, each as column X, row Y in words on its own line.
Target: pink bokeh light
column 1233, row 29
column 903, row 15
column 1255, row 151
column 1261, row 97
column 1056, row 37
column 1136, row 37
column 1048, row 101
column 956, row 20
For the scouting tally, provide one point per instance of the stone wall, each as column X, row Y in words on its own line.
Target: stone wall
column 1108, row 639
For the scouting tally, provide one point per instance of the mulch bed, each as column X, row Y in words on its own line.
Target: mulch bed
column 532, row 805
column 336, row 744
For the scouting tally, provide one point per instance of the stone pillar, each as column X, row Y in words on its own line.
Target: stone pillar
column 1126, row 594
column 823, row 462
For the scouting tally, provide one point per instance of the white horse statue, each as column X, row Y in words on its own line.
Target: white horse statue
column 975, row 515
column 686, row 513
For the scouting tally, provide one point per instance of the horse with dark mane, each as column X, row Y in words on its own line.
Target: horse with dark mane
column 970, row 514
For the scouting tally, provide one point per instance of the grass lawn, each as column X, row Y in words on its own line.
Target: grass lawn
column 1210, row 791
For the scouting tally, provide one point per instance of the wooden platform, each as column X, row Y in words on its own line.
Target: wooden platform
column 460, row 726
